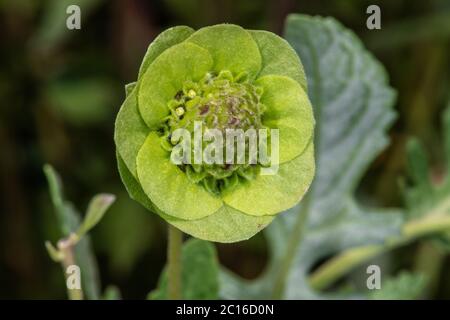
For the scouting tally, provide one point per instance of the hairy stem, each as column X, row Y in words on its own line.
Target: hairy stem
column 174, row 263
column 66, row 247
column 340, row 265
column 291, row 251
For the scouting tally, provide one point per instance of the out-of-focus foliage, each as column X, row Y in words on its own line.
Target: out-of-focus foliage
column 405, row 286
column 69, row 221
column 44, row 67
column 428, row 194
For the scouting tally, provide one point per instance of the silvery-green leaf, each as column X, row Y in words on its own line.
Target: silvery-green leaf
column 352, row 103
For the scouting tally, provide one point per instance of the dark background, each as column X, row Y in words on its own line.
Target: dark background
column 60, row 91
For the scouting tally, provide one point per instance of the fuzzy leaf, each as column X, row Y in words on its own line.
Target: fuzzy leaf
column 352, row 103
column 200, row 273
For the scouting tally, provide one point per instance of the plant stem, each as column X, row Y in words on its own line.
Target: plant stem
column 291, row 251
column 67, row 248
column 174, row 263
column 338, row 266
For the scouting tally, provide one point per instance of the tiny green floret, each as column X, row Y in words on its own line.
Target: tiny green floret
column 219, row 101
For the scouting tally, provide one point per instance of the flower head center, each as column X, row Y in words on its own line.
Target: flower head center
column 222, row 102
column 219, row 101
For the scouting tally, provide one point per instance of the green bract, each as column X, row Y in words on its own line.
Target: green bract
column 222, row 77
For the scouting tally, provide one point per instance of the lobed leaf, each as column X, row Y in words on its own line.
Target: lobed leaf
column 353, row 108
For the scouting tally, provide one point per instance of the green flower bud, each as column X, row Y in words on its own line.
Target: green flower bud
column 220, row 79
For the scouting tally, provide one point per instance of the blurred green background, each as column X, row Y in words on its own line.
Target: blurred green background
column 60, row 90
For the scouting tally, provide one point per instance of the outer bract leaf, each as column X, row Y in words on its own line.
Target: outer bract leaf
column 165, row 77
column 134, row 189
column 231, row 47
column 168, row 187
column 129, row 88
column 289, row 111
column 163, row 41
column 226, row 225
column 271, row 194
column 278, row 57
column 130, row 131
